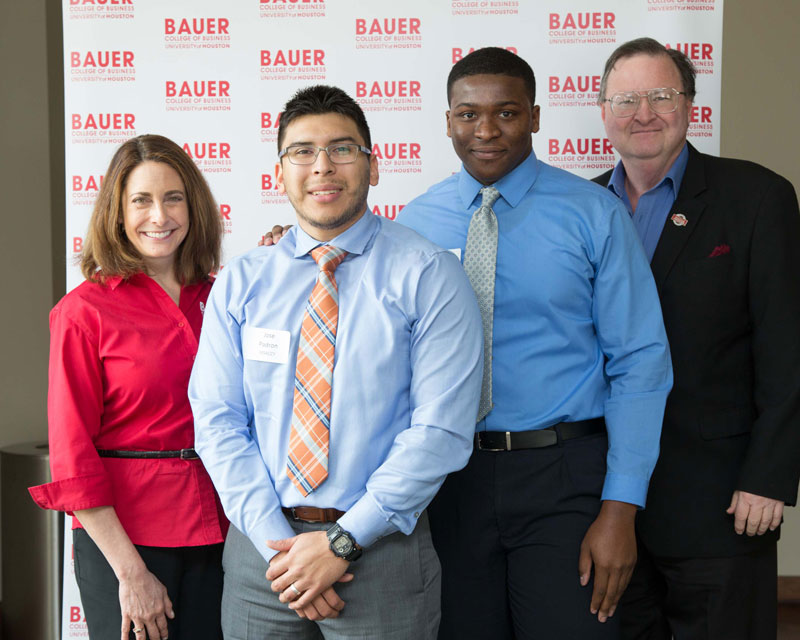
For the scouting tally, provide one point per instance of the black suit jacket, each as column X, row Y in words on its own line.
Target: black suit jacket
column 729, row 283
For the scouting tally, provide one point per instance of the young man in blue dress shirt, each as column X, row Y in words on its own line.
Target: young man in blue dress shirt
column 536, row 535
column 404, row 392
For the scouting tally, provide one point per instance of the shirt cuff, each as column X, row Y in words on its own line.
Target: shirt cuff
column 624, row 488
column 366, row 522
column 74, row 494
column 274, row 527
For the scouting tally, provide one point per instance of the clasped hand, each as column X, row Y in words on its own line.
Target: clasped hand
column 307, row 562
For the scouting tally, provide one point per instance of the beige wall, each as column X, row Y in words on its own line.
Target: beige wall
column 761, row 84
column 28, row 261
column 760, row 95
column 760, row 98
column 31, row 184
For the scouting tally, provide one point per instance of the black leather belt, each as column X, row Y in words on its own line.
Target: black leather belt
column 183, row 454
column 538, row 438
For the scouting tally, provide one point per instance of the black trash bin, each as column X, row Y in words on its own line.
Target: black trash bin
column 32, row 547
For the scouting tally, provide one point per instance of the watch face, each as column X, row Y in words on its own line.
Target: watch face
column 342, row 545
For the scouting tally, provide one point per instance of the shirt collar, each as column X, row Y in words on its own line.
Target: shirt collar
column 353, row 240
column 675, row 175
column 111, row 282
column 512, row 186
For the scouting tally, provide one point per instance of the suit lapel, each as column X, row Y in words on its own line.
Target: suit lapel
column 691, row 205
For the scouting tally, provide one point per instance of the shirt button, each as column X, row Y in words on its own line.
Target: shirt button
column 416, row 514
column 180, row 324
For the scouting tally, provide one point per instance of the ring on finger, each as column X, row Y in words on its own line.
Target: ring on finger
column 296, row 591
column 138, row 630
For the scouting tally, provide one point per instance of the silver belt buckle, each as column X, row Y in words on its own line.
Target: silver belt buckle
column 506, row 448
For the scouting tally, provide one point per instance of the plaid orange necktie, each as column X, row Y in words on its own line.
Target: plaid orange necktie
column 307, row 466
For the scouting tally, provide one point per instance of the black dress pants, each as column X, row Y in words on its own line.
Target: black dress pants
column 191, row 575
column 508, row 529
column 730, row 598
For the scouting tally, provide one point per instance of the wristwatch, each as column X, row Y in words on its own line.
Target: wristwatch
column 343, row 544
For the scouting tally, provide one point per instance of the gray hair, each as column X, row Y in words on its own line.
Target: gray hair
column 651, row 47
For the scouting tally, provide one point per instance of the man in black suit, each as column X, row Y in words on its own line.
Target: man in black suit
column 722, row 236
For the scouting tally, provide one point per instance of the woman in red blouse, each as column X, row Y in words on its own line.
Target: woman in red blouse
column 148, row 527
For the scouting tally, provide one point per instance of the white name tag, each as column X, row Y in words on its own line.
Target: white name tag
column 456, row 253
column 266, row 345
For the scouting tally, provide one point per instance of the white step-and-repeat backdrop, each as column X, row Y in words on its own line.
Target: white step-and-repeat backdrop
column 213, row 77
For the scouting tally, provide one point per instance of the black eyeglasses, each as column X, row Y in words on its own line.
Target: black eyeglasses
column 339, row 153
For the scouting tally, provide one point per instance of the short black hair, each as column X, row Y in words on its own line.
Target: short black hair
column 320, row 99
column 493, row 61
column 650, row 47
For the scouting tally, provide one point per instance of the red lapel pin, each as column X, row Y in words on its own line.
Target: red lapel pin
column 679, row 220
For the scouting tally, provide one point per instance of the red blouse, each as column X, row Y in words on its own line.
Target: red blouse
column 120, row 359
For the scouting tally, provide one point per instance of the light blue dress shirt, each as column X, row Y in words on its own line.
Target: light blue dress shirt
column 406, row 381
column 654, row 205
column 578, row 331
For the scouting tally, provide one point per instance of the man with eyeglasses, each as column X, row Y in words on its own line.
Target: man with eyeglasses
column 336, row 384
column 722, row 236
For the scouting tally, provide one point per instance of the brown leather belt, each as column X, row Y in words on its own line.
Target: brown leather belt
column 183, row 454
column 538, row 438
column 312, row 514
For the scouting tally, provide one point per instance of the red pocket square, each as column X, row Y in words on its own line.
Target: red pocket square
column 720, row 250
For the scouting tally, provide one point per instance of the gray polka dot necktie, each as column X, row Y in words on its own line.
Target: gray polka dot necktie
column 480, row 260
